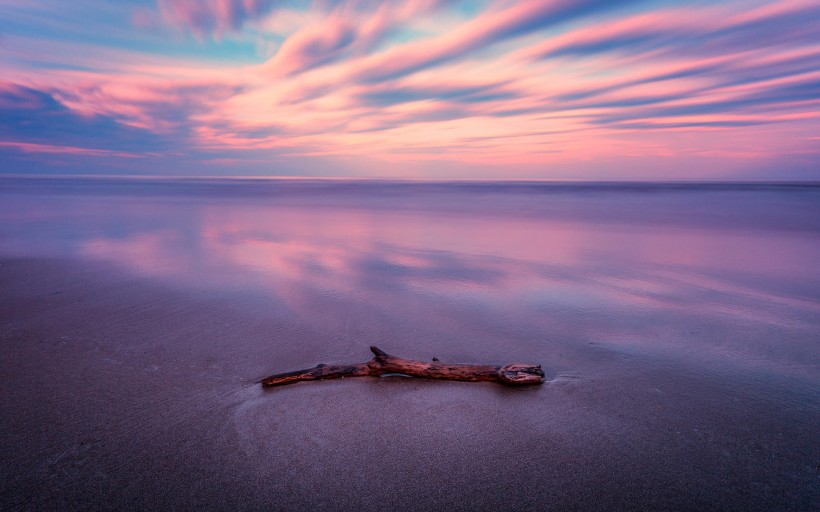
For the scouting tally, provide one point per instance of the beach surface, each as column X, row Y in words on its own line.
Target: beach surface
column 678, row 327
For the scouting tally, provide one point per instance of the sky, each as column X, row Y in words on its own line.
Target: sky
column 528, row 89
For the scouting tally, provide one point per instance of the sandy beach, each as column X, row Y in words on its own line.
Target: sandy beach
column 125, row 389
column 197, row 195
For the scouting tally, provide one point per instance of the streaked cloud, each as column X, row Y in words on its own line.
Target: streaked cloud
column 212, row 17
column 589, row 89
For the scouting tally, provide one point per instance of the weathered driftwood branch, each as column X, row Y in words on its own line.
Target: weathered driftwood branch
column 383, row 363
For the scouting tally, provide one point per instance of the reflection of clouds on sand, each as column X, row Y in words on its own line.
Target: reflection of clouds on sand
column 150, row 253
column 579, row 265
column 680, row 345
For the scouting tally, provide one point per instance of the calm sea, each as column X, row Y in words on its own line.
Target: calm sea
column 697, row 305
column 725, row 275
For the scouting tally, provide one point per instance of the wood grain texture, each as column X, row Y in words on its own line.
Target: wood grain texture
column 384, row 363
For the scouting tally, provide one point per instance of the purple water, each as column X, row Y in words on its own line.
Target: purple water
column 679, row 325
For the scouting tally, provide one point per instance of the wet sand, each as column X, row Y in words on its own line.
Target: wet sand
column 678, row 326
column 122, row 392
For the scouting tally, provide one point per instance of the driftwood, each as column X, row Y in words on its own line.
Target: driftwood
column 384, row 364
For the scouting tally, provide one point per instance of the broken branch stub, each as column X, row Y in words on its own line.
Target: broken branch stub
column 384, row 363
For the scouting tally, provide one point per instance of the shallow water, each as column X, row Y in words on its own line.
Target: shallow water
column 633, row 266
column 679, row 325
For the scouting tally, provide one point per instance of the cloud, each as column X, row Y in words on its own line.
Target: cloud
column 760, row 102
column 29, row 115
column 427, row 84
column 16, row 98
column 212, row 17
column 313, row 46
column 350, row 28
column 684, row 34
column 27, row 147
column 488, row 29
column 460, row 93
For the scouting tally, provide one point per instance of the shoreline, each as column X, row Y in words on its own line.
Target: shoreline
column 120, row 392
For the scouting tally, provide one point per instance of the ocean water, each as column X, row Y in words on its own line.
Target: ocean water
column 678, row 324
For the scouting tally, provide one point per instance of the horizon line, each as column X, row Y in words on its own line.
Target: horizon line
column 149, row 177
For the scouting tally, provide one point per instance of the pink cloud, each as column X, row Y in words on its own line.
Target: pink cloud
column 142, row 101
column 404, row 82
column 346, row 29
column 313, row 46
column 27, row 147
column 16, row 96
column 487, row 29
column 212, row 17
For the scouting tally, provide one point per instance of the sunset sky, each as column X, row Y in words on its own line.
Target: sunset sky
column 552, row 89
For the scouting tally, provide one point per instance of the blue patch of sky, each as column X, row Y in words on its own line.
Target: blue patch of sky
column 463, row 10
column 36, row 116
column 111, row 28
column 750, row 103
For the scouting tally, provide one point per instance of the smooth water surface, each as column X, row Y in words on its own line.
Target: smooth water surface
column 680, row 322
column 629, row 267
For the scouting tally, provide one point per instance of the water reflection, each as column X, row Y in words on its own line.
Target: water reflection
column 700, row 272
